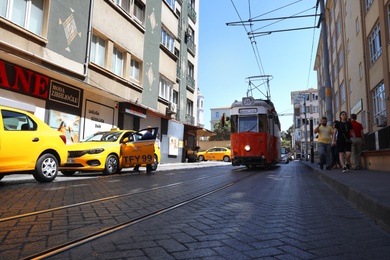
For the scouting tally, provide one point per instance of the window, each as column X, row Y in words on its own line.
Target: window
column 338, row 27
column 14, row 121
column 375, row 44
column 190, row 107
column 165, row 89
column 190, row 70
column 336, row 101
column 139, row 11
column 167, row 40
column 379, row 98
column 134, row 69
column 125, row 4
column 341, row 59
column 368, row 4
column 360, row 70
column 171, row 3
column 342, row 92
column 357, row 25
column 216, row 114
column 117, row 62
column 98, row 50
column 27, row 14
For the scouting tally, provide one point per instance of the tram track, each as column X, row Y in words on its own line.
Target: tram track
column 33, row 213
column 130, row 214
column 109, row 230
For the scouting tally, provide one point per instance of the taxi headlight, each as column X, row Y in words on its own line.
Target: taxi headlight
column 94, row 151
column 247, row 147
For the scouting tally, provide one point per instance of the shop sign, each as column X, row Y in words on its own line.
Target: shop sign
column 64, row 94
column 98, row 117
column 23, row 81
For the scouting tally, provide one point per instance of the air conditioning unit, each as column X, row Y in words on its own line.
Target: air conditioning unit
column 172, row 107
column 380, row 120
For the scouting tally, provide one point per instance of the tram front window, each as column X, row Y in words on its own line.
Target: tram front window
column 247, row 124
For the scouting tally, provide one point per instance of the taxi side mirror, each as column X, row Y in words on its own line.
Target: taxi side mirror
column 125, row 140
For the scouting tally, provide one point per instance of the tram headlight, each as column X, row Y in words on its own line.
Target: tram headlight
column 247, row 147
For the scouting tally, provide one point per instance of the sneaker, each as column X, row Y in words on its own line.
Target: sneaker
column 348, row 166
column 345, row 169
column 328, row 168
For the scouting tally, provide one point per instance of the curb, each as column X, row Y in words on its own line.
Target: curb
column 371, row 207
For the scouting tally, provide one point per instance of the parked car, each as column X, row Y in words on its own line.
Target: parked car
column 29, row 145
column 215, row 154
column 111, row 151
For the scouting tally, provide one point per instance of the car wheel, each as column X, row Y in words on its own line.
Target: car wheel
column 226, row 158
column 111, row 165
column 201, row 158
column 46, row 168
column 155, row 163
column 68, row 173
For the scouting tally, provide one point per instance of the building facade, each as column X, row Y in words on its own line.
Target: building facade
column 306, row 112
column 357, row 34
column 101, row 64
column 216, row 115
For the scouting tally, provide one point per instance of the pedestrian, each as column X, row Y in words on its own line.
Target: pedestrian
column 334, row 150
column 357, row 142
column 343, row 142
column 324, row 142
column 146, row 136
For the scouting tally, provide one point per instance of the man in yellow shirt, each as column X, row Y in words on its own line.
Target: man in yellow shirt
column 324, row 142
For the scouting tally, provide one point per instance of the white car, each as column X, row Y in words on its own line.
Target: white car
column 284, row 158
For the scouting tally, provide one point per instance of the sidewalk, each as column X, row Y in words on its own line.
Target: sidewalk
column 368, row 190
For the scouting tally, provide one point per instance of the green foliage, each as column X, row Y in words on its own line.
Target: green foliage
column 222, row 131
column 287, row 138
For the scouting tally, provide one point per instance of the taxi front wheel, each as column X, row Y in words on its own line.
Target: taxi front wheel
column 46, row 168
column 111, row 166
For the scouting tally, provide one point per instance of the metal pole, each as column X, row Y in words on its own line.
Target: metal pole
column 306, row 148
column 328, row 87
column 311, row 141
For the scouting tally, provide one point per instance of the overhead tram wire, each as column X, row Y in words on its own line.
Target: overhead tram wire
column 252, row 41
column 312, row 50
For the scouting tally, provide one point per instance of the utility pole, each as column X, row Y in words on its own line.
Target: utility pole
column 306, row 148
column 325, row 53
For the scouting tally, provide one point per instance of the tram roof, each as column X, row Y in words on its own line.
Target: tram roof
column 250, row 101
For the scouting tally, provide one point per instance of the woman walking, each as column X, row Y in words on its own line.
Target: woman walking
column 343, row 142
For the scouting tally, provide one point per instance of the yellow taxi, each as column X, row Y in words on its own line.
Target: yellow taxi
column 215, row 154
column 29, row 145
column 111, row 151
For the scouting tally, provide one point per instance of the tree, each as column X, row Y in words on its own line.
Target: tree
column 222, row 131
column 286, row 138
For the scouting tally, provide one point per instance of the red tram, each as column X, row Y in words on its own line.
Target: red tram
column 255, row 133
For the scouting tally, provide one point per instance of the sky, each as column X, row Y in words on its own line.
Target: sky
column 227, row 57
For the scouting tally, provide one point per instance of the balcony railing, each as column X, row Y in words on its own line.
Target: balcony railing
column 190, row 120
column 191, row 45
column 190, row 82
column 191, row 13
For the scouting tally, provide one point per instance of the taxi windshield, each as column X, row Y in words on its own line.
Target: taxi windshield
column 103, row 137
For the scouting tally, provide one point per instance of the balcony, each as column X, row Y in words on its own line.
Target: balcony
column 190, row 120
column 191, row 13
column 191, row 83
column 191, row 46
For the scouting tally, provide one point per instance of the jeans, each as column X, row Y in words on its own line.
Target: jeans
column 325, row 154
column 356, row 151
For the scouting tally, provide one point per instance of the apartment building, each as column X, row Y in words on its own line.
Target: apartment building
column 216, row 115
column 358, row 40
column 306, row 112
column 99, row 64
